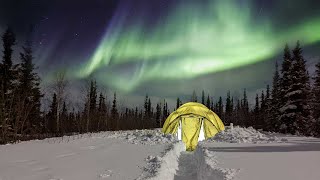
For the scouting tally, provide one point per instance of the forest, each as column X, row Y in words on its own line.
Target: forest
column 291, row 104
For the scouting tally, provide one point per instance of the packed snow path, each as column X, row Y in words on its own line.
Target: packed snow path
column 187, row 167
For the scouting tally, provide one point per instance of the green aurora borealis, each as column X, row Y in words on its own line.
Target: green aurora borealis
column 189, row 40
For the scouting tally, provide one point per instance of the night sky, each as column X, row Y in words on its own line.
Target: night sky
column 166, row 48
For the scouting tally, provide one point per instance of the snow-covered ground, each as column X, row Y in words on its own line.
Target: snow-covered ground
column 237, row 153
column 107, row 155
column 266, row 156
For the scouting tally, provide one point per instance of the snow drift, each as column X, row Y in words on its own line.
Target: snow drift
column 244, row 135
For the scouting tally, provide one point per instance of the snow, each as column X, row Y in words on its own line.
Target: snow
column 146, row 137
column 293, row 93
column 243, row 156
column 244, row 135
column 235, row 154
column 291, row 106
column 297, row 159
column 108, row 155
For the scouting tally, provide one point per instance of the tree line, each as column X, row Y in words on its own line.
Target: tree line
column 291, row 106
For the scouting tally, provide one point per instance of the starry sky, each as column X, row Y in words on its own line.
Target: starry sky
column 166, row 48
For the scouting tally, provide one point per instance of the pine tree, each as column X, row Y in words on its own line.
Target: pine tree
column 114, row 113
column 146, row 107
column 202, row 97
column 149, row 108
column 228, row 108
column 53, row 114
column 64, row 116
column 7, row 69
column 220, row 108
column 316, row 99
column 158, row 115
column 286, row 79
column 194, row 97
column 150, row 114
column 102, row 109
column 7, row 72
column 300, row 94
column 208, row 103
column 262, row 110
column 267, row 109
column 90, row 107
column 245, row 109
column 256, row 108
column 212, row 105
column 238, row 118
column 272, row 121
column 28, row 90
column 286, row 116
column 165, row 111
column 93, row 97
column 178, row 103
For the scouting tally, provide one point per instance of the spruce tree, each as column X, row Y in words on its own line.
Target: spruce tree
column 238, row 117
column 7, row 69
column 28, row 89
column 286, row 115
column 267, row 109
column 202, row 97
column 245, row 109
column 262, row 110
column 228, row 108
column 208, row 103
column 64, row 118
column 273, row 119
column 299, row 94
column 53, row 115
column 220, row 108
column 212, row 105
column 93, row 97
column 7, row 77
column 178, row 103
column 114, row 113
column 149, row 108
column 194, row 97
column 256, row 110
column 146, row 107
column 158, row 115
column 316, row 99
column 102, row 109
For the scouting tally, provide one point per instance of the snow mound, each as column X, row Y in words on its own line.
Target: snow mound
column 244, row 135
column 145, row 137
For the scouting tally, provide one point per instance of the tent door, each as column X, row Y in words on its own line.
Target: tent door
column 179, row 134
column 201, row 135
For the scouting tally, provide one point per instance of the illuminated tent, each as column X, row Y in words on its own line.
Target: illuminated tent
column 192, row 118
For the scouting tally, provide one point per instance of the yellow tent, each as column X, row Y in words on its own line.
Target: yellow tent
column 191, row 117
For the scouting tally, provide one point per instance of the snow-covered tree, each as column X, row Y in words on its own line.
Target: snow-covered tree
column 286, row 116
column 295, row 110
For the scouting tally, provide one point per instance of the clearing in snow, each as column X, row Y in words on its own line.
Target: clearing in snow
column 237, row 153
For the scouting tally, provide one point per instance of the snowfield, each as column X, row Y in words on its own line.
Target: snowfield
column 237, row 153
